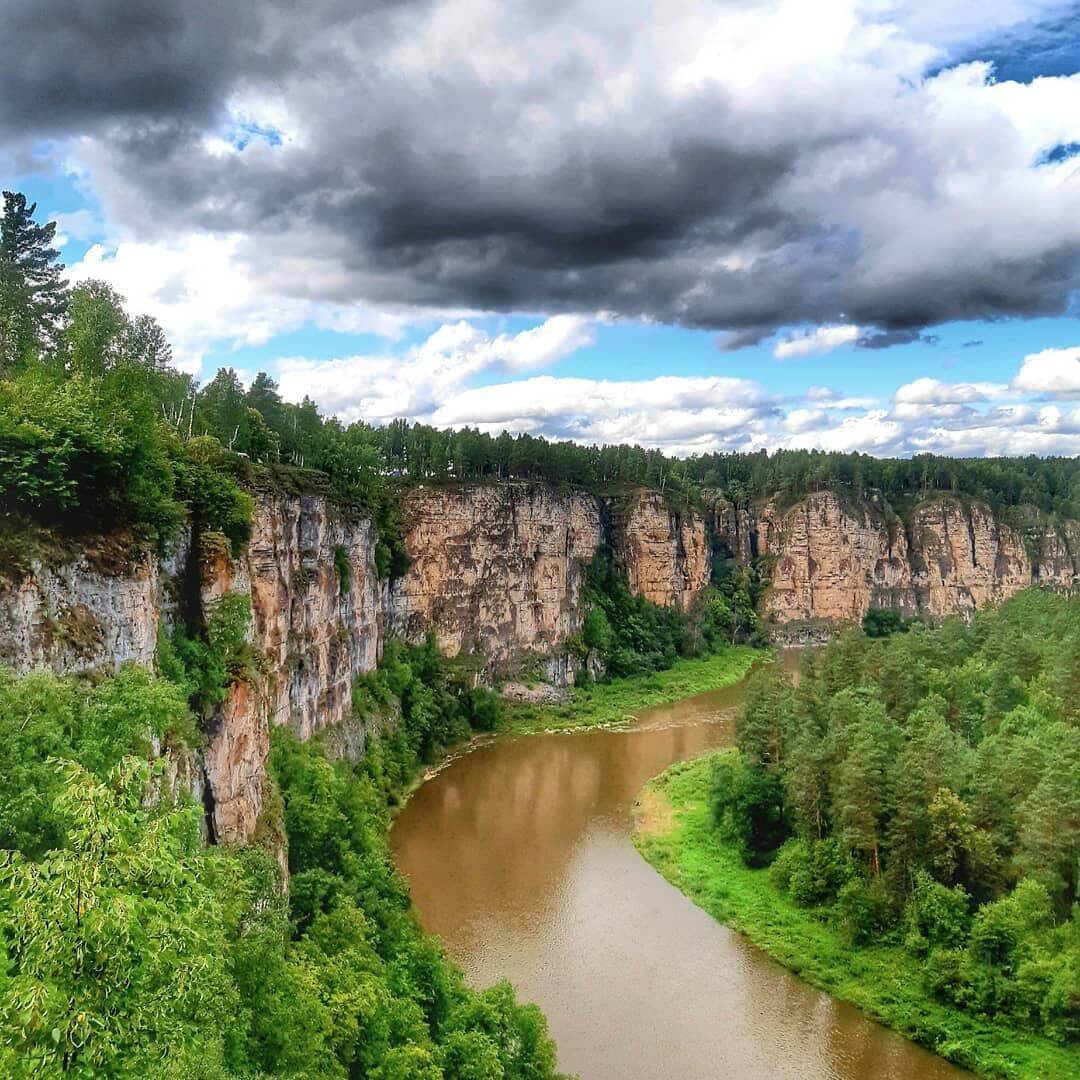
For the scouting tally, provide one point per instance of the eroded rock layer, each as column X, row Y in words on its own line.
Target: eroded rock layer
column 833, row 558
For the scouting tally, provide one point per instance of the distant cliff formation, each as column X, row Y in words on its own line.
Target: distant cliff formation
column 833, row 558
column 497, row 571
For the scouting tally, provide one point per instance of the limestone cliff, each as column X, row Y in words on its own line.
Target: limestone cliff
column 833, row 558
column 312, row 629
column 496, row 569
column 833, row 561
column 666, row 555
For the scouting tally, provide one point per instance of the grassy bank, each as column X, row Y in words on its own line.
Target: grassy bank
column 675, row 834
column 615, row 701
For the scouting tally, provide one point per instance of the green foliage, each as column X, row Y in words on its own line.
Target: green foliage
column 33, row 296
column 1016, row 1026
column 343, row 569
column 748, row 807
column 207, row 482
column 933, row 780
column 206, row 665
column 86, row 452
column 47, row 717
column 881, row 622
column 132, row 950
column 114, row 940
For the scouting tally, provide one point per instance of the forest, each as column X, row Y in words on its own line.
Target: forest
column 922, row 790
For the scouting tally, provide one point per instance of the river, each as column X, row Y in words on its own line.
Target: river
column 519, row 857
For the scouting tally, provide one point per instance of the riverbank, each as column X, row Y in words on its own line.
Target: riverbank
column 674, row 833
column 615, row 702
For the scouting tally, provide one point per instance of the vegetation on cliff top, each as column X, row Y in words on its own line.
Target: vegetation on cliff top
column 131, row 950
column 917, row 801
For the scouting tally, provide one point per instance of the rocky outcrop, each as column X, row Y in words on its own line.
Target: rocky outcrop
column 79, row 615
column 833, row 561
column 833, row 558
column 964, row 559
column 498, row 569
column 666, row 555
column 316, row 618
column 315, row 628
column 495, row 569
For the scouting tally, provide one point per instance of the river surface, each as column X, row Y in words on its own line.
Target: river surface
column 519, row 857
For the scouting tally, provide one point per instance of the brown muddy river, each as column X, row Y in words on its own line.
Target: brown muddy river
column 519, row 857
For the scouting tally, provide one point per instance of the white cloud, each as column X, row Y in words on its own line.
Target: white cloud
column 435, row 382
column 381, row 387
column 815, row 342
column 1052, row 371
column 926, row 391
column 205, row 294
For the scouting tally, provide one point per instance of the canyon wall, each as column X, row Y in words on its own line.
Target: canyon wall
column 833, row 558
column 666, row 556
column 496, row 570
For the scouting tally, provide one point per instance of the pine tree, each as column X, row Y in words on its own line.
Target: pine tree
column 33, row 296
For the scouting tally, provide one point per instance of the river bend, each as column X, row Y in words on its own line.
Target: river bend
column 519, row 857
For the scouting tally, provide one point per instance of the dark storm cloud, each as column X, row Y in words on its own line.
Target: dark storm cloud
column 539, row 161
column 67, row 67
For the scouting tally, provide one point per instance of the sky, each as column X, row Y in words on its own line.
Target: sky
column 698, row 225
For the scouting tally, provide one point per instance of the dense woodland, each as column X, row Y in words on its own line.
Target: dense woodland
column 923, row 789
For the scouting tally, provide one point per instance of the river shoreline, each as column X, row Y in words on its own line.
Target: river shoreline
column 617, row 702
column 674, row 834
column 519, row 858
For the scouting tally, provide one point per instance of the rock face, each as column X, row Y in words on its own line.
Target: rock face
column 78, row 616
column 499, row 568
column 666, row 555
column 835, row 558
column 495, row 568
column 833, row 562
column 313, row 629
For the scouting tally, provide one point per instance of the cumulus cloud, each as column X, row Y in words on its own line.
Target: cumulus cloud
column 381, row 388
column 821, row 339
column 927, row 391
column 1052, row 371
column 436, row 381
column 740, row 166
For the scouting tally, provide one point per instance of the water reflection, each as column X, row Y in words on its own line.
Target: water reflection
column 519, row 857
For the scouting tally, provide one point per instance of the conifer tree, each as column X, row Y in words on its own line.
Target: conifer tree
column 33, row 296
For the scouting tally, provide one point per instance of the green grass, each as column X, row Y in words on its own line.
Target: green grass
column 610, row 703
column 883, row 981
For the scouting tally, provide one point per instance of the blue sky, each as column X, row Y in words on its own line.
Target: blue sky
column 944, row 181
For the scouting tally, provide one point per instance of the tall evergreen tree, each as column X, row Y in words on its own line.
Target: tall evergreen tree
column 33, row 296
